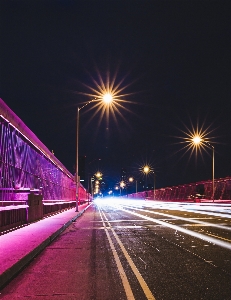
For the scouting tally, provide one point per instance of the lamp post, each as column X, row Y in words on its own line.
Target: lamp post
column 122, row 186
column 107, row 99
column 131, row 179
column 154, row 186
column 89, row 186
column 147, row 170
column 197, row 140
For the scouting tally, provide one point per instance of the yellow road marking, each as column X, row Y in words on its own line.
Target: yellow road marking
column 219, row 237
column 122, row 273
column 139, row 277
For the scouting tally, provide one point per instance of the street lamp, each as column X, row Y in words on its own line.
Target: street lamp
column 122, row 186
column 197, row 141
column 131, row 179
column 106, row 99
column 147, row 170
column 89, row 187
column 98, row 175
column 154, row 186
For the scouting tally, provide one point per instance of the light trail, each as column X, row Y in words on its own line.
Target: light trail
column 207, row 238
column 187, row 231
column 224, row 211
column 182, row 218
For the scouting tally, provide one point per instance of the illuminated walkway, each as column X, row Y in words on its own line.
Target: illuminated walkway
column 19, row 247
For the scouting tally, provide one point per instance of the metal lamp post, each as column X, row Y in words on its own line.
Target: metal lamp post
column 89, row 186
column 213, row 168
column 107, row 99
column 197, row 140
column 154, row 186
column 131, row 179
column 146, row 170
column 122, row 186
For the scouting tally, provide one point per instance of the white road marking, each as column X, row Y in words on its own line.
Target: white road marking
column 204, row 237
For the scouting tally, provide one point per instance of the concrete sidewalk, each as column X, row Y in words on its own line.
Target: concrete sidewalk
column 19, row 247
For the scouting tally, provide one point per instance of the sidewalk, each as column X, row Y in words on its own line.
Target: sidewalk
column 19, row 247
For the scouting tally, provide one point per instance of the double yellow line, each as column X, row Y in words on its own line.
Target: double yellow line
column 126, row 284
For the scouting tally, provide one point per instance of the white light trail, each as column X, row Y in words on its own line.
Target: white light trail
column 207, row 238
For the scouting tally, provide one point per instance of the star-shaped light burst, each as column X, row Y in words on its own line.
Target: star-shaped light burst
column 107, row 96
column 146, row 169
column 196, row 139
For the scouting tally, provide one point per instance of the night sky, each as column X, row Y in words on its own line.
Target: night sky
column 172, row 59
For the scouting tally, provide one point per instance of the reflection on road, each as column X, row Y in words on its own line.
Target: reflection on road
column 216, row 219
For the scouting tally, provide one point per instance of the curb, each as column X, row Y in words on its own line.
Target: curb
column 15, row 269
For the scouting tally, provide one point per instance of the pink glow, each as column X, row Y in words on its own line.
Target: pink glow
column 26, row 164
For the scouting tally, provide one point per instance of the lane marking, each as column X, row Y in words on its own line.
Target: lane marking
column 212, row 240
column 173, row 217
column 122, row 273
column 139, row 277
column 218, row 237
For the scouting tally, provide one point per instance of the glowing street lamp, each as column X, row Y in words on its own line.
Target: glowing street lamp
column 199, row 141
column 98, row 174
column 122, row 186
column 106, row 99
column 147, row 170
column 131, row 179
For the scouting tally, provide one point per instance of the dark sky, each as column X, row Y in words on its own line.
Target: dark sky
column 172, row 58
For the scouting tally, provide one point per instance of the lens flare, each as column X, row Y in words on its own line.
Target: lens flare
column 146, row 169
column 108, row 96
column 197, row 139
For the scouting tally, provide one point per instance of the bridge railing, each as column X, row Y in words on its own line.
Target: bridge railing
column 26, row 163
column 189, row 192
column 30, row 175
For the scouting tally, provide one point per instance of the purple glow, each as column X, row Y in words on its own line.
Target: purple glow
column 26, row 164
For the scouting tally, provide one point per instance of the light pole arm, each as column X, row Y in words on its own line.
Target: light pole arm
column 93, row 100
column 77, row 159
column 154, row 186
column 77, row 151
column 213, row 169
column 213, row 173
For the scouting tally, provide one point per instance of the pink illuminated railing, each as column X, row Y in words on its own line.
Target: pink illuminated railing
column 26, row 163
column 33, row 182
column 190, row 192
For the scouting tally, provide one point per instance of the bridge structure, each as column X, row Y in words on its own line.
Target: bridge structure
column 33, row 182
column 196, row 192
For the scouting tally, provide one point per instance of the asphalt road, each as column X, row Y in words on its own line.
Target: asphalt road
column 134, row 250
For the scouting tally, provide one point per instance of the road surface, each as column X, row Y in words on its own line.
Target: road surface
column 134, row 250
